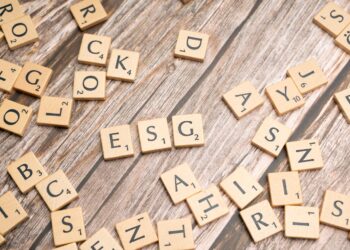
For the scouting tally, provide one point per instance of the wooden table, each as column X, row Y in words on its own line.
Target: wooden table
column 249, row 40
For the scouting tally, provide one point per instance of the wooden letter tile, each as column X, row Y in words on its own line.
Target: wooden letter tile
column 71, row 246
column 180, row 183
column 188, row 130
column 271, row 136
column 123, row 65
column 304, row 155
column 243, row 99
column 94, row 49
column 89, row 85
column 14, row 117
column 154, row 135
column 33, row 79
column 332, row 19
column 343, row 40
column 26, row 172
column 10, row 10
column 241, row 187
column 101, row 240
column 285, row 188
column 116, row 142
column 11, row 213
column 2, row 240
column 20, row 32
column 8, row 75
column 343, row 100
column 301, row 222
column 207, row 205
column 55, row 111
column 88, row 13
column 191, row 45
column 136, row 232
column 56, row 191
column 68, row 226
column 175, row 234
column 261, row 220
column 335, row 210
column 307, row 76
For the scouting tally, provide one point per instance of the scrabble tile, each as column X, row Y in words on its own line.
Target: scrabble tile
column 20, row 32
column 8, row 75
column 88, row 13
column 301, row 222
column 175, row 234
column 285, row 188
column 55, row 111
column 191, row 45
column 261, row 220
column 116, row 142
column 94, row 49
column 307, row 76
column 335, row 210
column 11, row 213
column 154, row 135
column 304, row 155
column 89, row 85
column 180, row 183
column 284, row 96
column 241, row 187
column 343, row 40
column 123, row 65
column 15, row 117
column 188, row 130
column 342, row 98
column 68, row 226
column 100, row 240
column 26, row 172
column 2, row 240
column 136, row 232
column 332, row 19
column 207, row 205
column 10, row 10
column 271, row 136
column 33, row 79
column 56, row 190
column 243, row 99
column 71, row 246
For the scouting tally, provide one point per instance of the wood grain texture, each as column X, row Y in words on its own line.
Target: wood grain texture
column 249, row 40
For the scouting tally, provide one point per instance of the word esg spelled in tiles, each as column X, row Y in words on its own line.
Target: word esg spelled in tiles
column 191, row 45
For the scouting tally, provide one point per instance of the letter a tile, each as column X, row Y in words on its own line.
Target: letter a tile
column 301, row 222
column 343, row 100
column 8, row 75
column 123, row 65
column 191, row 45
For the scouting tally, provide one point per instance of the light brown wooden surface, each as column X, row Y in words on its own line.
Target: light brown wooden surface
column 249, row 40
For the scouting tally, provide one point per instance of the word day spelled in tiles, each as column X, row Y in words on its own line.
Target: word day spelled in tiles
column 14, row 117
column 71, row 246
column 285, row 188
column 261, row 220
column 191, row 45
column 343, row 40
column 207, row 205
column 94, row 49
column 68, row 226
column 11, row 213
column 55, row 111
column 154, row 135
column 116, row 142
column 20, row 32
column 332, row 19
column 304, row 155
column 335, row 210
column 342, row 98
column 301, row 222
column 8, row 75
column 136, row 232
column 89, row 85
column 123, row 65
column 241, row 187
column 56, row 190
column 188, row 130
column 26, row 172
column 307, row 76
column 243, row 99
column 100, row 240
column 180, row 183
column 175, row 234
column 88, row 13
column 33, row 79
column 271, row 136
column 10, row 10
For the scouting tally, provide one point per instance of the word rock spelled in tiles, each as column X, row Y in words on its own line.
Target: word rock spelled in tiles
column 123, row 65
column 207, row 205
column 10, row 10
column 71, row 246
column 191, row 45
column 89, row 85
column 188, row 130
column 343, row 40
column 343, row 100
column 8, row 75
column 301, row 222
column 100, row 240
column 94, row 49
